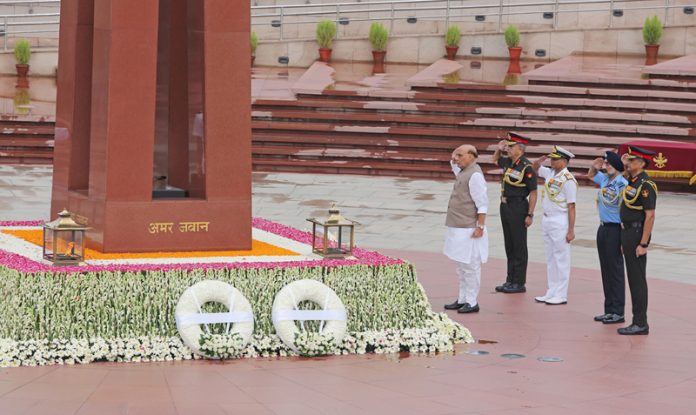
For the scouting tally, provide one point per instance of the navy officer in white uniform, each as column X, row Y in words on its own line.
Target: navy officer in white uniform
column 558, row 202
column 466, row 239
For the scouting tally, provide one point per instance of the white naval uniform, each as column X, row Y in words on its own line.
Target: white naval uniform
column 560, row 189
column 469, row 253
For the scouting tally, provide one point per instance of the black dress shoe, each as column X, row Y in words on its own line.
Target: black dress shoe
column 613, row 319
column 601, row 317
column 466, row 308
column 501, row 288
column 514, row 288
column 634, row 330
column 454, row 306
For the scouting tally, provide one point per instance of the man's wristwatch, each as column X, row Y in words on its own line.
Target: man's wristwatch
column 644, row 245
column 478, row 225
column 531, row 215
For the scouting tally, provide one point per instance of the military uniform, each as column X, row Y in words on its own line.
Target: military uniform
column 519, row 179
column 639, row 195
column 560, row 191
column 611, row 260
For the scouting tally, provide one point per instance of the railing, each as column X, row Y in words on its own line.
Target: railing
column 24, row 22
column 14, row 25
column 448, row 11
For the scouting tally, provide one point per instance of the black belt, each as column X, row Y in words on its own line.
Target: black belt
column 632, row 224
column 506, row 199
column 610, row 224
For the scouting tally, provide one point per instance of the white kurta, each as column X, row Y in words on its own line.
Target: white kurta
column 459, row 245
column 468, row 252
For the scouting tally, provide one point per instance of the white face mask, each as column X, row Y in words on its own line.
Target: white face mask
column 455, row 168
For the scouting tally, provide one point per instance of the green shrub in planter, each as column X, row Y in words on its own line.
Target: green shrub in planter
column 378, row 36
column 22, row 52
column 326, row 33
column 453, row 36
column 652, row 30
column 254, row 40
column 512, row 36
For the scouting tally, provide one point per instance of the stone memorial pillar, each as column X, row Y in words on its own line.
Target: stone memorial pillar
column 153, row 125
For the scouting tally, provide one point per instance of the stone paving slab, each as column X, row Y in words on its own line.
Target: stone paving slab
column 600, row 372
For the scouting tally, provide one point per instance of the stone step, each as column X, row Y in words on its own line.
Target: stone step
column 451, row 114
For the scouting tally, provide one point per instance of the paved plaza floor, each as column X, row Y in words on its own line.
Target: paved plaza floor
column 600, row 372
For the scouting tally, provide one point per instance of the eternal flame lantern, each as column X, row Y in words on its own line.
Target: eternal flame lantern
column 333, row 237
column 64, row 240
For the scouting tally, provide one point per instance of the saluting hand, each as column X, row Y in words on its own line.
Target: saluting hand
column 640, row 251
column 538, row 162
column 598, row 163
column 502, row 145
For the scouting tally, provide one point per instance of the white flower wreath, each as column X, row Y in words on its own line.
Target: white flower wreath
column 285, row 311
column 189, row 314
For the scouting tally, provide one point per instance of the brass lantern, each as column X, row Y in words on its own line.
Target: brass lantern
column 333, row 237
column 64, row 240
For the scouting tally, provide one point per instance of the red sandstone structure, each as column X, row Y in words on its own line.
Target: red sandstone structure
column 153, row 123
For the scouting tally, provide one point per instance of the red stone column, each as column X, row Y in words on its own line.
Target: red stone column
column 73, row 102
column 212, row 86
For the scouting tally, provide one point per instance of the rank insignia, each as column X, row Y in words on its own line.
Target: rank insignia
column 645, row 193
column 529, row 175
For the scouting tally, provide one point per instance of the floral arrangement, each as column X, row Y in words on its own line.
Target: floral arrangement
column 431, row 339
column 311, row 344
column 125, row 313
column 133, row 304
column 222, row 346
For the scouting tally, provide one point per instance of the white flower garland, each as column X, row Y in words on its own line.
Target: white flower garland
column 222, row 346
column 440, row 335
column 285, row 311
column 189, row 313
column 311, row 344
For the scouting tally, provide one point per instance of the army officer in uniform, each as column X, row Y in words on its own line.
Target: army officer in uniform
column 516, row 211
column 637, row 219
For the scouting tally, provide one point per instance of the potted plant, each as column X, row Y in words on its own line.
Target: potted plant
column 326, row 33
column 652, row 33
column 22, row 52
column 254, row 40
column 512, row 39
column 452, row 38
column 378, row 37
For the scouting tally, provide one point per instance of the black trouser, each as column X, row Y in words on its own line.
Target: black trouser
column 612, row 265
column 635, row 271
column 512, row 215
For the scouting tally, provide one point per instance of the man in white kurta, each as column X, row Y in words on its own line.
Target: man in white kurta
column 466, row 239
column 558, row 224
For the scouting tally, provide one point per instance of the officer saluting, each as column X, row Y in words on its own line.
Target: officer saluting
column 611, row 185
column 637, row 219
column 558, row 201
column 516, row 212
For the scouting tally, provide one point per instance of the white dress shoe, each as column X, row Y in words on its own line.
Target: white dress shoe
column 540, row 299
column 556, row 301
